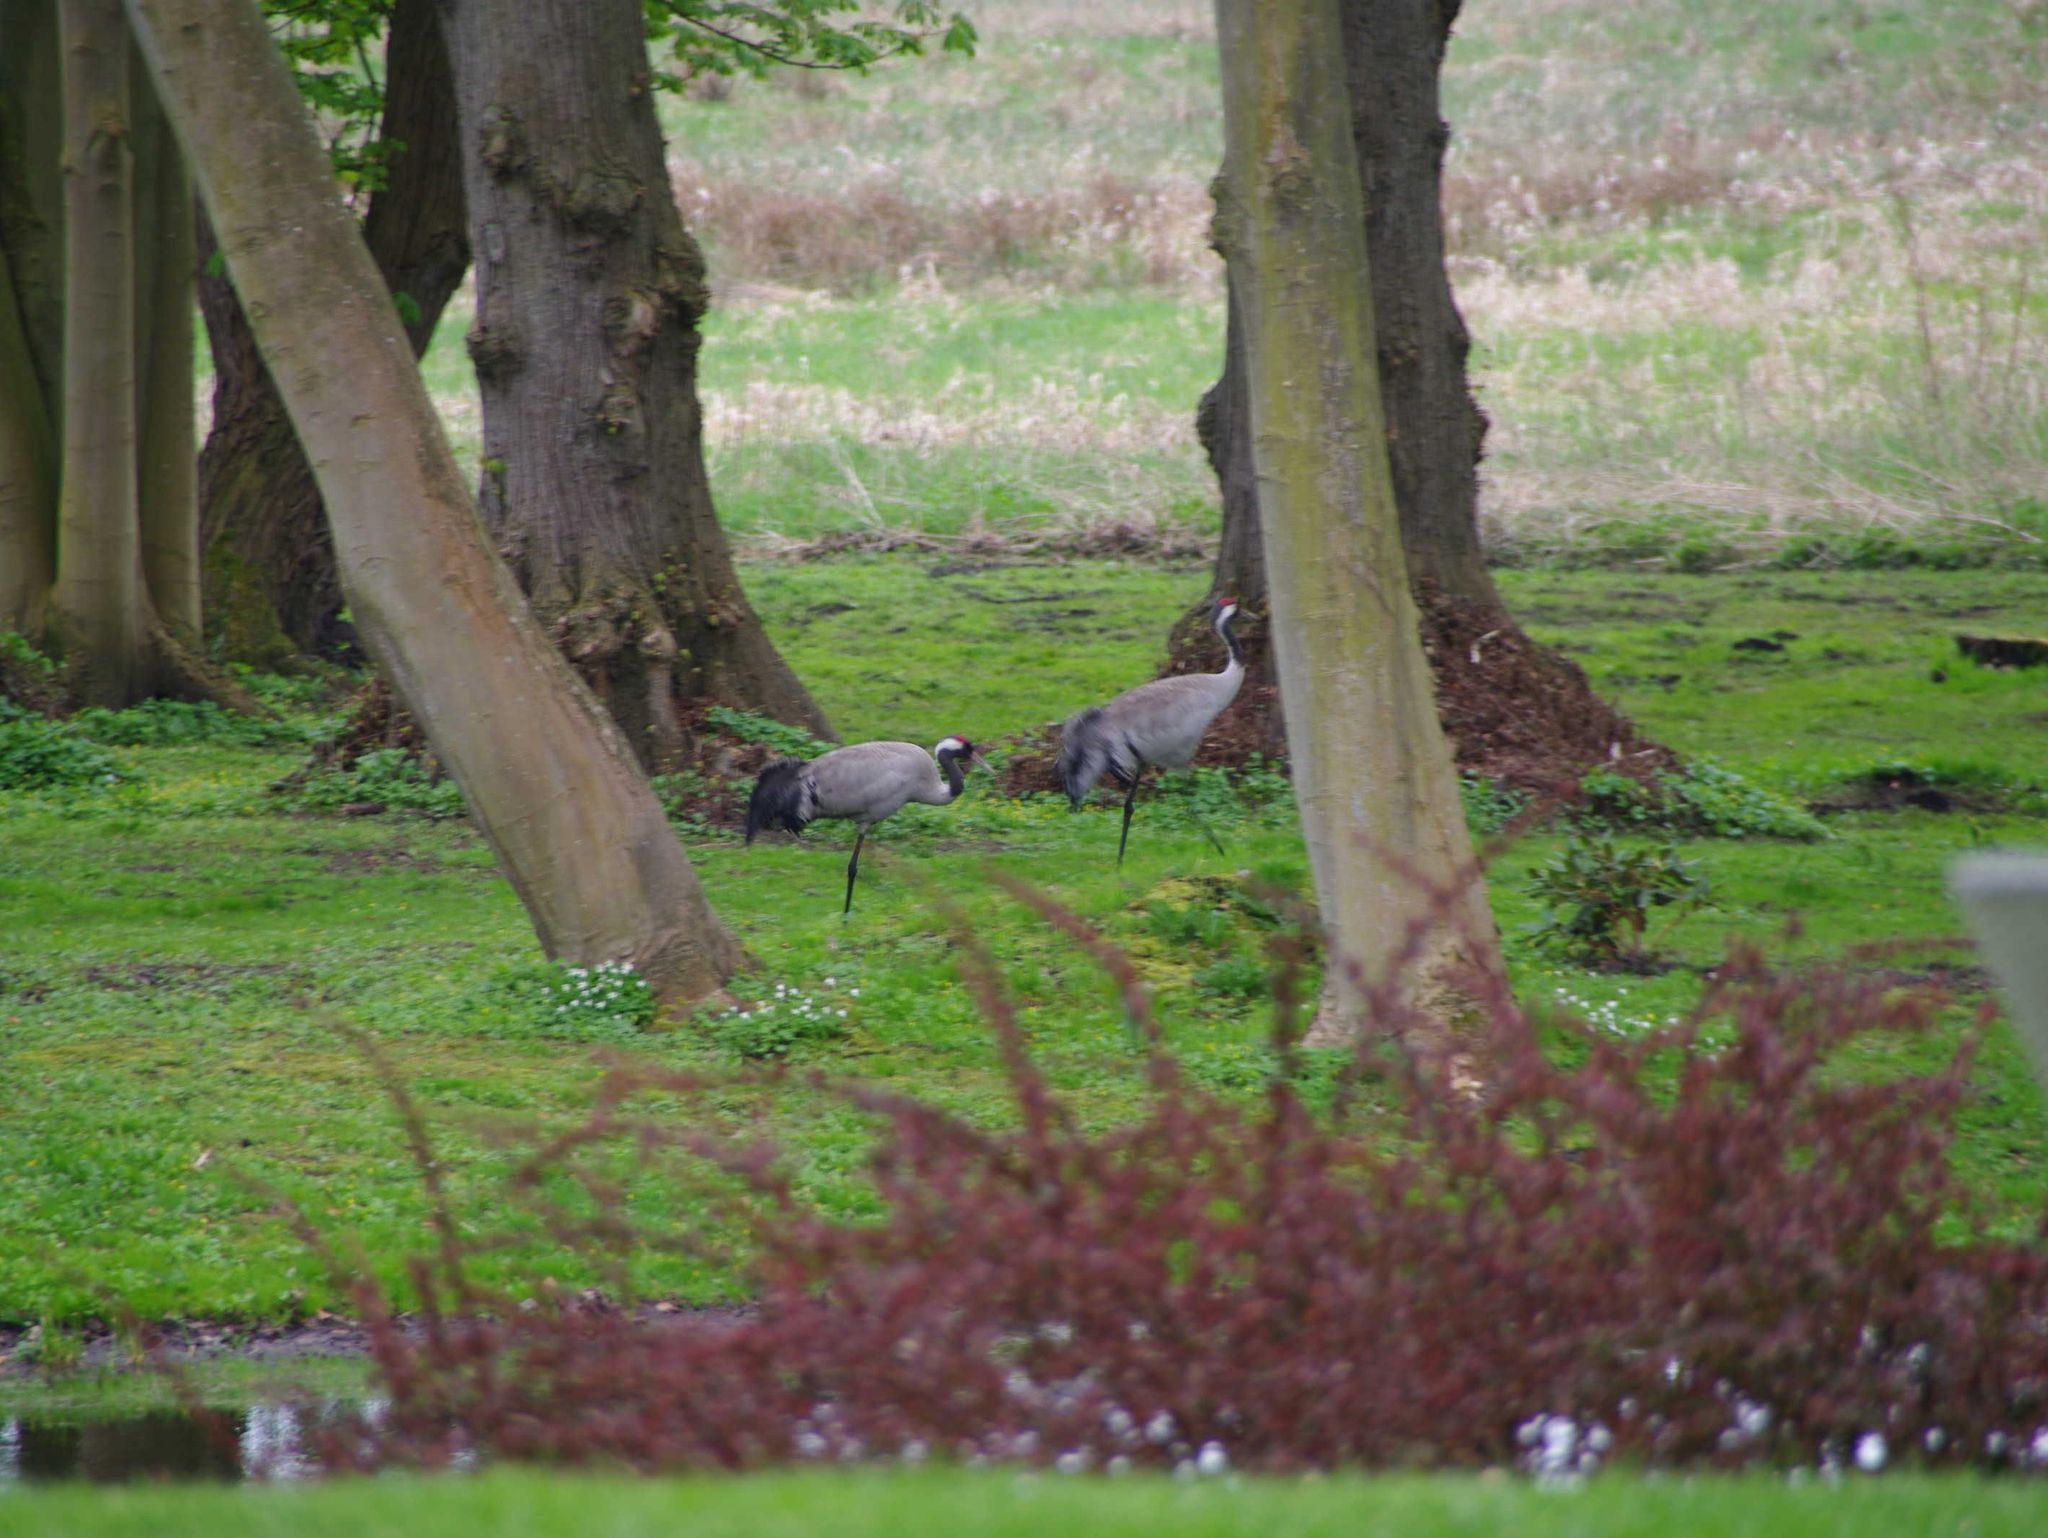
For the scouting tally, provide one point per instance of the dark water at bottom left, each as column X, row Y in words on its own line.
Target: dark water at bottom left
column 260, row 1442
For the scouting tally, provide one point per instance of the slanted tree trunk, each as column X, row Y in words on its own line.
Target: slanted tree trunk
column 589, row 294
column 1372, row 772
column 544, row 771
column 1511, row 707
column 99, row 597
column 271, row 586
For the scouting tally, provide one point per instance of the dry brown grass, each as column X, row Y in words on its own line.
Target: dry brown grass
column 1760, row 296
column 1104, row 228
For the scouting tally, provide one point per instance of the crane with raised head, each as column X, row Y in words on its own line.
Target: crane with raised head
column 864, row 784
column 1160, row 723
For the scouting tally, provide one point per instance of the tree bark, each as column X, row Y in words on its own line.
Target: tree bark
column 589, row 294
column 272, row 591
column 167, row 485
column 547, row 776
column 1372, row 772
column 28, row 543
column 99, row 598
column 1511, row 708
column 31, row 309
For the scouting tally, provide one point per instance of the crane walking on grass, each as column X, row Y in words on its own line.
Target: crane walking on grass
column 864, row 783
column 1157, row 723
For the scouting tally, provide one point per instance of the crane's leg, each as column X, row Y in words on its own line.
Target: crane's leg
column 1129, row 796
column 1211, row 835
column 852, row 870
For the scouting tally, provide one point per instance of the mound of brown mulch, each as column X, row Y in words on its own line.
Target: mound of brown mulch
column 711, row 780
column 716, row 772
column 1522, row 714
column 1515, row 712
column 373, row 720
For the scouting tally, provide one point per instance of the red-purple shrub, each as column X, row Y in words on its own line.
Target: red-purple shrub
column 1702, row 1247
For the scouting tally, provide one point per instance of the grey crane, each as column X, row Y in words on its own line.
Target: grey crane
column 1157, row 723
column 864, row 783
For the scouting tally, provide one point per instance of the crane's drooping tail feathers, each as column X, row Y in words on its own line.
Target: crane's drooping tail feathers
column 782, row 799
column 1086, row 754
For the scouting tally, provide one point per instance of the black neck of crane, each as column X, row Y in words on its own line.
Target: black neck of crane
column 1223, row 629
column 949, row 766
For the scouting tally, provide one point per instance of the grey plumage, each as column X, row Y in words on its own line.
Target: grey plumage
column 1160, row 723
column 864, row 784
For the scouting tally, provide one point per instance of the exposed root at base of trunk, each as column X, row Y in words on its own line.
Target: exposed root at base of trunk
column 173, row 671
column 708, row 780
column 184, row 673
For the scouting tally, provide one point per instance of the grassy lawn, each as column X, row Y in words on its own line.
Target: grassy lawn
column 523, row 1505
column 180, row 951
column 1755, row 322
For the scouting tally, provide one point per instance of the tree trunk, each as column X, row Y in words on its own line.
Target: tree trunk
column 28, row 545
column 1511, row 708
column 589, row 294
column 99, row 598
column 271, row 586
column 545, row 773
column 31, row 309
column 167, row 486
column 1372, row 772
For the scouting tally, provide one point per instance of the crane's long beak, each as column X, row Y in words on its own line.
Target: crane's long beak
column 979, row 762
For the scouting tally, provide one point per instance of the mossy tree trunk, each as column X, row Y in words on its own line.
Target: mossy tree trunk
column 546, row 774
column 271, row 587
column 31, row 309
column 1509, row 705
column 589, row 295
column 99, row 594
column 167, row 483
column 1372, row 772
column 98, row 522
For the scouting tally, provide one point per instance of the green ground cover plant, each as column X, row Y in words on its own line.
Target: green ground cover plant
column 535, row 1505
column 178, row 953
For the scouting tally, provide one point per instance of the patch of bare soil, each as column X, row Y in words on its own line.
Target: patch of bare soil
column 1902, row 790
column 1952, row 977
column 2004, row 651
column 367, row 862
column 185, row 976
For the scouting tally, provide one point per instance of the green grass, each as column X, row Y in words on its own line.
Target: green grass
column 525, row 1505
column 220, row 1384
column 180, row 951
